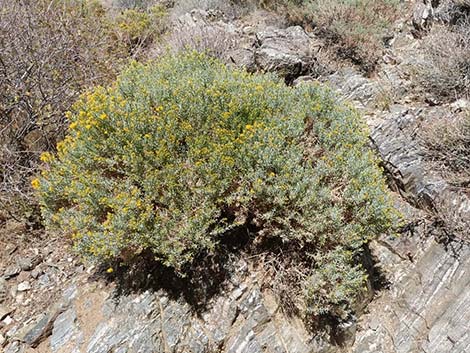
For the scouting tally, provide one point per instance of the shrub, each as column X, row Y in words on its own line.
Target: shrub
column 50, row 51
column 211, row 40
column 448, row 143
column 354, row 29
column 180, row 152
column 445, row 70
column 138, row 28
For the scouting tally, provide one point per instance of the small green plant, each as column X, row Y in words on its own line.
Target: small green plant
column 137, row 28
column 180, row 152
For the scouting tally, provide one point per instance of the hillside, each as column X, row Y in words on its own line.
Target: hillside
column 234, row 176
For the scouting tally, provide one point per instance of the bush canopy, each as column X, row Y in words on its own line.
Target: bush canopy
column 181, row 151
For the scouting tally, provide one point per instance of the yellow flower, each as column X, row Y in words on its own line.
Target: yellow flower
column 46, row 157
column 73, row 125
column 110, row 270
column 35, row 183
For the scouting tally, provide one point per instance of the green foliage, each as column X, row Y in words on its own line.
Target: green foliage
column 139, row 27
column 181, row 151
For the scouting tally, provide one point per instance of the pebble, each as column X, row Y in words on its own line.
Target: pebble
column 36, row 272
column 12, row 271
column 24, row 286
column 25, row 263
column 7, row 320
column 4, row 311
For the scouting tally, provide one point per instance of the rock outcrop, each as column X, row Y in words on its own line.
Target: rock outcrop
column 290, row 52
column 427, row 308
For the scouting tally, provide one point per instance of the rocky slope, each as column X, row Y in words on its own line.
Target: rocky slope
column 52, row 303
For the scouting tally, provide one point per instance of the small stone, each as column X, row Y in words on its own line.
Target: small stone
column 13, row 291
column 12, row 271
column 3, row 290
column 44, row 280
column 23, row 276
column 4, row 311
column 24, row 286
column 12, row 331
column 461, row 104
column 36, row 272
column 25, row 263
column 2, row 339
column 7, row 320
column 11, row 248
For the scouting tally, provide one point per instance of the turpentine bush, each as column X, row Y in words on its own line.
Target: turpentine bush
column 179, row 152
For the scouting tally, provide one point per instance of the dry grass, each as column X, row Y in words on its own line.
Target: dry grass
column 447, row 144
column 354, row 29
column 445, row 70
column 212, row 40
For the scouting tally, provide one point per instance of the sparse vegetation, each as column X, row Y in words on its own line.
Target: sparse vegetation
column 445, row 70
column 50, row 51
column 138, row 28
column 180, row 152
column 354, row 29
column 210, row 40
column 448, row 144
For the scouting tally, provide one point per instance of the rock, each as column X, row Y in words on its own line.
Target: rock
column 36, row 332
column 345, row 332
column 44, row 280
column 352, row 86
column 36, row 272
column 4, row 311
column 24, row 286
column 240, row 319
column 428, row 308
column 19, row 299
column 289, row 52
column 460, row 105
column 25, row 263
column 2, row 340
column 7, row 320
column 3, row 290
column 23, row 276
column 11, row 248
column 397, row 144
column 302, row 80
column 14, row 347
column 64, row 329
column 422, row 16
column 12, row 271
